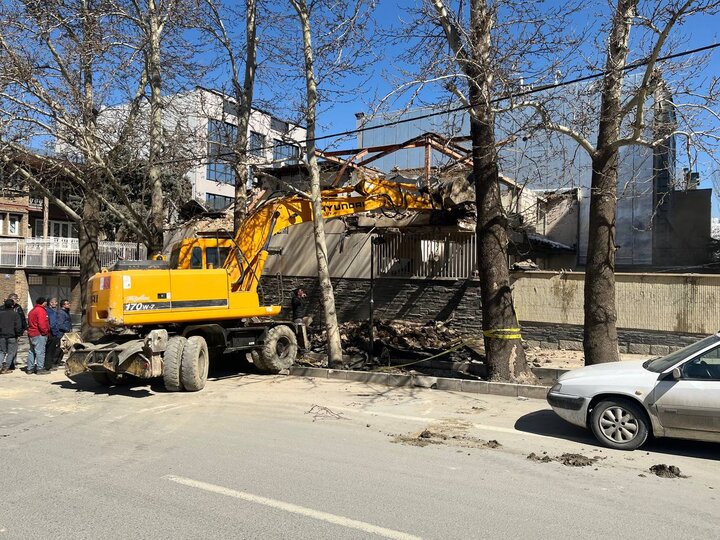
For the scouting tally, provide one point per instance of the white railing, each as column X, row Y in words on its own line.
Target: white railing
column 427, row 255
column 63, row 253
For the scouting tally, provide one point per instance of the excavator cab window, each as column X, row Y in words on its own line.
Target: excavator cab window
column 175, row 257
column 196, row 259
column 216, row 256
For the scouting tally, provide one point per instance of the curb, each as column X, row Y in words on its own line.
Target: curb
column 425, row 381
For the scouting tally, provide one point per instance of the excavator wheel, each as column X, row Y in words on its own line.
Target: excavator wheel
column 280, row 349
column 256, row 358
column 195, row 364
column 172, row 359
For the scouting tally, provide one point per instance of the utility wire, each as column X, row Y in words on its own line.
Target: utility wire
column 529, row 91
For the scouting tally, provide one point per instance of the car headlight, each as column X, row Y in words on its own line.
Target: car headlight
column 556, row 387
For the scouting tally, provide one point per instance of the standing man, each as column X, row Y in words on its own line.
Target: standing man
column 10, row 329
column 19, row 310
column 299, row 315
column 64, row 320
column 52, row 351
column 38, row 332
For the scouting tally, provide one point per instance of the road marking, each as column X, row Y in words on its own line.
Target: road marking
column 485, row 427
column 293, row 508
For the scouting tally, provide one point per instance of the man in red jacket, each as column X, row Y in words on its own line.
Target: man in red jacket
column 38, row 331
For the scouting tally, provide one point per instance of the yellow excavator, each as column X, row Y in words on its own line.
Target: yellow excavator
column 163, row 321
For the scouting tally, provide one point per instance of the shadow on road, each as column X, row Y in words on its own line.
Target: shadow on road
column 88, row 384
column 549, row 424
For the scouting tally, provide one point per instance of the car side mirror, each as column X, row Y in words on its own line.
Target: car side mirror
column 676, row 374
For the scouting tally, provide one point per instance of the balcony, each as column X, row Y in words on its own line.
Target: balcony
column 61, row 253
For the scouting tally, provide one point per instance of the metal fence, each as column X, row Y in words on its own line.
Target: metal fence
column 422, row 255
column 63, row 253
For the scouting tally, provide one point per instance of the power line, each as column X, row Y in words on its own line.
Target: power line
column 529, row 91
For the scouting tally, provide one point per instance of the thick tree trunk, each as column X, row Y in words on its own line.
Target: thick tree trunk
column 321, row 252
column 503, row 346
column 244, row 97
column 157, row 220
column 600, row 331
column 89, row 229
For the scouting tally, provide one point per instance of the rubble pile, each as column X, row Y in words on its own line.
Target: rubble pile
column 398, row 342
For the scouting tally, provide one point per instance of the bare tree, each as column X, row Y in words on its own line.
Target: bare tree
column 62, row 65
column 242, row 91
column 321, row 251
column 490, row 45
column 623, row 121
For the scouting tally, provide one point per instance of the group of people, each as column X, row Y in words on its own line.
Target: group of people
column 45, row 326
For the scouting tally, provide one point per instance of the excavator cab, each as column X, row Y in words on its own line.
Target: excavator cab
column 200, row 253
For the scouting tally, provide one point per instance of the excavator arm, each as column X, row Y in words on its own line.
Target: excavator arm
column 246, row 261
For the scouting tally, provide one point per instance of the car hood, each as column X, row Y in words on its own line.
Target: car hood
column 611, row 370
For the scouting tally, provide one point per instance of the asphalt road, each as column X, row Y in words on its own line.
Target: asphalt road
column 280, row 457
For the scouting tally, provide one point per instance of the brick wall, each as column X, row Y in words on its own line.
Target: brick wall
column 456, row 302
column 14, row 281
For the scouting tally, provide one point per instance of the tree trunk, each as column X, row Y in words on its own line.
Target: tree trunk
column 503, row 347
column 600, row 332
column 326, row 288
column 88, row 230
column 156, row 242
column 244, row 97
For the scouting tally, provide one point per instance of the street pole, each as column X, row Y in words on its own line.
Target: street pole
column 374, row 241
column 371, row 333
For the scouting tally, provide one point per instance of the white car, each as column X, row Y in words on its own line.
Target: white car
column 677, row 395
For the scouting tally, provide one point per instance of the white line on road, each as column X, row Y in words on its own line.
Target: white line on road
column 293, row 508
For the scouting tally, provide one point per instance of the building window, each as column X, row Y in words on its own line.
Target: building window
column 57, row 229
column 217, row 202
column 221, row 139
column 218, row 171
column 278, row 125
column 283, row 151
column 10, row 224
column 257, row 144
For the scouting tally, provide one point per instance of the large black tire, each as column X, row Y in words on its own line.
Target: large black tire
column 279, row 350
column 195, row 364
column 619, row 423
column 257, row 361
column 172, row 358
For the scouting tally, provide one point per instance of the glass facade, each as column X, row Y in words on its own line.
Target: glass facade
column 217, row 202
column 257, row 144
column 283, row 151
column 221, row 137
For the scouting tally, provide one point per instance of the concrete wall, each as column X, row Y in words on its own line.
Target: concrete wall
column 682, row 303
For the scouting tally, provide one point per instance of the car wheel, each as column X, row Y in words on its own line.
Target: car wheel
column 619, row 424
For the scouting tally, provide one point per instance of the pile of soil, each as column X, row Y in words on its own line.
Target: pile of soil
column 666, row 471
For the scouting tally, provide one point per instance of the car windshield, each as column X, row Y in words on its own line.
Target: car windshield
column 658, row 365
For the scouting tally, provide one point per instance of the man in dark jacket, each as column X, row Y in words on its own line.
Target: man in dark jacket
column 17, row 308
column 38, row 332
column 64, row 320
column 10, row 329
column 52, row 351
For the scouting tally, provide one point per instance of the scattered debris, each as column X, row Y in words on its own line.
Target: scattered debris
column 575, row 460
column 666, row 471
column 451, row 433
column 534, row 457
column 570, row 460
column 319, row 413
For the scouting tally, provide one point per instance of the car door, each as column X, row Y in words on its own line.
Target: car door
column 690, row 406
